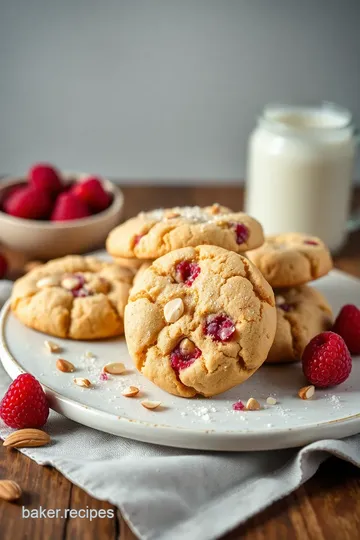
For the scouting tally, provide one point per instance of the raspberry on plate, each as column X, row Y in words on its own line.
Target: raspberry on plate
column 92, row 193
column 68, row 207
column 326, row 360
column 28, row 203
column 45, row 177
column 25, row 404
column 347, row 325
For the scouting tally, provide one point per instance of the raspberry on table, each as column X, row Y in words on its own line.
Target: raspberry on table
column 347, row 325
column 326, row 360
column 25, row 404
column 3, row 266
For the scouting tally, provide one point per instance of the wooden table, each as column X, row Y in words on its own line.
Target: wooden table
column 326, row 507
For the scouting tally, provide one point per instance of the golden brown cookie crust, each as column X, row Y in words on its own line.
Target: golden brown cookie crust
column 153, row 234
column 227, row 284
column 52, row 309
column 132, row 264
column 302, row 313
column 291, row 259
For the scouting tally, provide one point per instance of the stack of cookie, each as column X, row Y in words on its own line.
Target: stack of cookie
column 289, row 262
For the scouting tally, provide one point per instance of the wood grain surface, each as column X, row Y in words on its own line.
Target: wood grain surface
column 326, row 507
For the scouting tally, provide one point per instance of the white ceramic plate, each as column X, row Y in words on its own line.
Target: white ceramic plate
column 208, row 424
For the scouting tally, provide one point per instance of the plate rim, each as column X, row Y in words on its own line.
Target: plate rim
column 196, row 439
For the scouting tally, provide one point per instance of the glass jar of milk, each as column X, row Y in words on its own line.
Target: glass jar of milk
column 300, row 168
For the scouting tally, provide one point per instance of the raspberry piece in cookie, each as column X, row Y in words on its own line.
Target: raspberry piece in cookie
column 186, row 272
column 205, row 337
column 73, row 297
column 153, row 234
column 302, row 313
column 291, row 259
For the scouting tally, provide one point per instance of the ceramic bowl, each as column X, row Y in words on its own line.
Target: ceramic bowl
column 46, row 239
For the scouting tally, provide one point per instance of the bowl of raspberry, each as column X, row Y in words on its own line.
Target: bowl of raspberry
column 50, row 214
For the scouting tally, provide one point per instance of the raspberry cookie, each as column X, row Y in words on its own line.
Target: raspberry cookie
column 73, row 297
column 302, row 313
column 200, row 321
column 291, row 259
column 153, row 234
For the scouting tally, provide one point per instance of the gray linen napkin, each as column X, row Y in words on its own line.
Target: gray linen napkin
column 172, row 494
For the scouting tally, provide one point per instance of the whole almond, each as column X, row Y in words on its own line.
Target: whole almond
column 52, row 346
column 9, row 490
column 64, row 365
column 47, row 282
column 27, row 437
column 173, row 310
column 306, row 392
column 271, row 400
column 70, row 283
column 252, row 405
column 116, row 368
column 187, row 346
column 85, row 383
column 130, row 391
column 150, row 404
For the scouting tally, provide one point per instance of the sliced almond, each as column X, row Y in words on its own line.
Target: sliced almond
column 9, row 490
column 271, row 400
column 89, row 354
column 173, row 310
column 306, row 392
column 49, row 281
column 27, row 437
column 64, row 365
column 150, row 404
column 130, row 391
column 52, row 346
column 116, row 368
column 85, row 383
column 252, row 405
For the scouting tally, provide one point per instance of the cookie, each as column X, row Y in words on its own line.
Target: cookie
column 302, row 313
column 153, row 234
column 132, row 264
column 200, row 321
column 73, row 297
column 291, row 259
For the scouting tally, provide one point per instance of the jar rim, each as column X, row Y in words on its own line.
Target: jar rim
column 321, row 118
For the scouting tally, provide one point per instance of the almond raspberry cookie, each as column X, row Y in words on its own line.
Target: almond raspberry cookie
column 200, row 321
column 73, row 297
column 153, row 234
column 302, row 313
column 132, row 264
column 291, row 259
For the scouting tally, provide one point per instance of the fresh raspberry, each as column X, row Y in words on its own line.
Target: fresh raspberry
column 219, row 327
column 326, row 360
column 238, row 406
column 28, row 203
column 181, row 360
column 187, row 272
column 68, row 207
column 25, row 404
column 92, row 193
column 241, row 232
column 45, row 177
column 347, row 325
column 3, row 266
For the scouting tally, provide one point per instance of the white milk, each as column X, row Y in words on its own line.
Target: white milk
column 300, row 167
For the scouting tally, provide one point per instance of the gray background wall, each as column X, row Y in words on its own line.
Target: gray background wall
column 163, row 89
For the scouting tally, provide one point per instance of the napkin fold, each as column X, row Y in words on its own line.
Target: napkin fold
column 172, row 494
